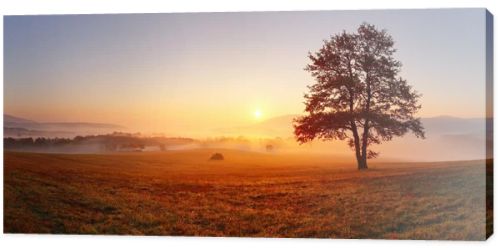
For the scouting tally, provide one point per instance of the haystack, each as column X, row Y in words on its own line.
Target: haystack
column 217, row 156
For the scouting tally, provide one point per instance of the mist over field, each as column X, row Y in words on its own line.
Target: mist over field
column 447, row 138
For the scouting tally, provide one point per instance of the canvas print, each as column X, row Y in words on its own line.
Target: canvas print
column 373, row 124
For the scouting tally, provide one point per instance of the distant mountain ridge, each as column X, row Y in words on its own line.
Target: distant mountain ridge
column 22, row 127
column 13, row 121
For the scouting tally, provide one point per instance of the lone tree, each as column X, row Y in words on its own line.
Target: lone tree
column 358, row 95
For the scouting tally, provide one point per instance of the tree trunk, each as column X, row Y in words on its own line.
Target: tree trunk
column 361, row 158
column 357, row 147
column 362, row 163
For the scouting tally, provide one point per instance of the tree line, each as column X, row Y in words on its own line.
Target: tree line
column 108, row 142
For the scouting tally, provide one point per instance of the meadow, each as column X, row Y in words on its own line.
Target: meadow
column 248, row 194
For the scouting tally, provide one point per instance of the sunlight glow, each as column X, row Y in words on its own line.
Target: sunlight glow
column 257, row 114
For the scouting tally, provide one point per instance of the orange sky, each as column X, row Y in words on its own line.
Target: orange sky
column 179, row 72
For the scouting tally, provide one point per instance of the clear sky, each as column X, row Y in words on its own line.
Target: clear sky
column 168, row 72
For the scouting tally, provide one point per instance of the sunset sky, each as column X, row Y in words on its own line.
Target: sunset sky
column 172, row 72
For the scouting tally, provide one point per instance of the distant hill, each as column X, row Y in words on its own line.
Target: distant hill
column 451, row 125
column 11, row 119
column 22, row 132
column 21, row 127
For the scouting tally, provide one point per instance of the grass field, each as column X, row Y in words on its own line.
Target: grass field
column 247, row 194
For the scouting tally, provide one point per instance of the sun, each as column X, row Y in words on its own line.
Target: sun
column 257, row 114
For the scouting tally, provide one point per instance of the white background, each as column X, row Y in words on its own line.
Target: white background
column 42, row 242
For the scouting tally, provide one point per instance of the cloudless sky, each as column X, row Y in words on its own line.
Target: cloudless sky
column 173, row 72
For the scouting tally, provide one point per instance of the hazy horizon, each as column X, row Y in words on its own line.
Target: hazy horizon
column 208, row 132
column 447, row 138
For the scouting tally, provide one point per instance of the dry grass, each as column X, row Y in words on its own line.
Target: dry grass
column 247, row 194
